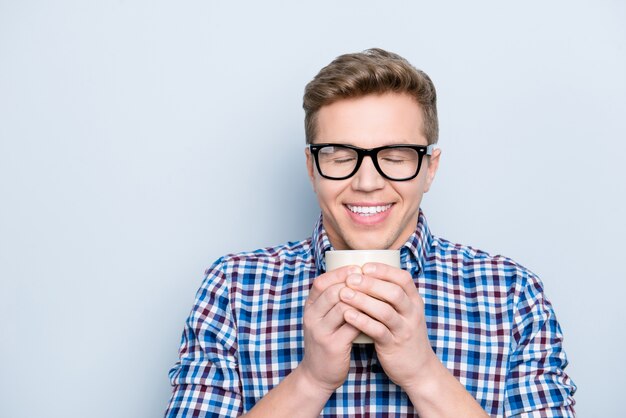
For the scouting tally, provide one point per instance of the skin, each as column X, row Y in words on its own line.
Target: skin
column 369, row 122
column 379, row 300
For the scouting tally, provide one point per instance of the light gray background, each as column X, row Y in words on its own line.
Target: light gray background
column 140, row 140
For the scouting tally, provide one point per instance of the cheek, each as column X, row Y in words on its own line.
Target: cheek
column 328, row 193
column 411, row 193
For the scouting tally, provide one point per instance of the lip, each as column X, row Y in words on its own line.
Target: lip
column 370, row 219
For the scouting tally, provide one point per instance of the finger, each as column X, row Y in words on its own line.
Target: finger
column 318, row 309
column 332, row 327
column 383, row 290
column 333, row 320
column 391, row 274
column 365, row 324
column 346, row 333
column 376, row 309
column 330, row 278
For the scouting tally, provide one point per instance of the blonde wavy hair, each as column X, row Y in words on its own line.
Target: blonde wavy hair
column 373, row 71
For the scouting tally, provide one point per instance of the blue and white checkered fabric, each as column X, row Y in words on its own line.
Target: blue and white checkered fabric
column 488, row 322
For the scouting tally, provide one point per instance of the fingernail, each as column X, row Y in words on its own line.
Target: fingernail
column 354, row 279
column 369, row 268
column 354, row 270
column 351, row 315
column 347, row 293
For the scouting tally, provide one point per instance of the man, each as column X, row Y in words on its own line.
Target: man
column 457, row 332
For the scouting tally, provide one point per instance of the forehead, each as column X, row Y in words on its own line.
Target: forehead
column 372, row 120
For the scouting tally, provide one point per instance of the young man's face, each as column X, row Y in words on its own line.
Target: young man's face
column 368, row 122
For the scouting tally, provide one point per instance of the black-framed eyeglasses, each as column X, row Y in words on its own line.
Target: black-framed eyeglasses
column 400, row 162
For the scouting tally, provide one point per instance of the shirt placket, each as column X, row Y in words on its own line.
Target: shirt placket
column 362, row 369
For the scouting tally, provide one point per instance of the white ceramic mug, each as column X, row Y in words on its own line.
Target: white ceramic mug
column 336, row 259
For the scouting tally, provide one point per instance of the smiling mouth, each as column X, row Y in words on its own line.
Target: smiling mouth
column 368, row 210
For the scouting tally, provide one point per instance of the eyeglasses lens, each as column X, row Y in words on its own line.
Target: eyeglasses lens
column 395, row 163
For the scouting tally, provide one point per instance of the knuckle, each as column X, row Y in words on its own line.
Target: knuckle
column 378, row 333
column 318, row 284
column 341, row 307
column 396, row 294
column 324, row 298
column 387, row 315
column 406, row 278
column 331, row 294
column 333, row 289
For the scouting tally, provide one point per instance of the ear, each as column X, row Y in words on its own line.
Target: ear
column 310, row 167
column 433, row 165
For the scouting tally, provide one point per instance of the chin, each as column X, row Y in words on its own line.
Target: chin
column 365, row 244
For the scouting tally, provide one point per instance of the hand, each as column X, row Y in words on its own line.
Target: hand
column 388, row 308
column 327, row 337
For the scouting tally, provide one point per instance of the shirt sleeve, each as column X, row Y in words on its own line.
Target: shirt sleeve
column 205, row 379
column 537, row 385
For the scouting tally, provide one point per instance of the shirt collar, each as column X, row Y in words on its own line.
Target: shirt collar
column 415, row 249
column 321, row 244
column 418, row 245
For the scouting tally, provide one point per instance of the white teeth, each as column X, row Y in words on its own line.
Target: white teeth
column 368, row 210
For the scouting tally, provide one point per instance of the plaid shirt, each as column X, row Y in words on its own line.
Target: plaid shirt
column 488, row 322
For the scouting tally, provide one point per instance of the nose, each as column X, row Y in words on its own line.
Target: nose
column 367, row 178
